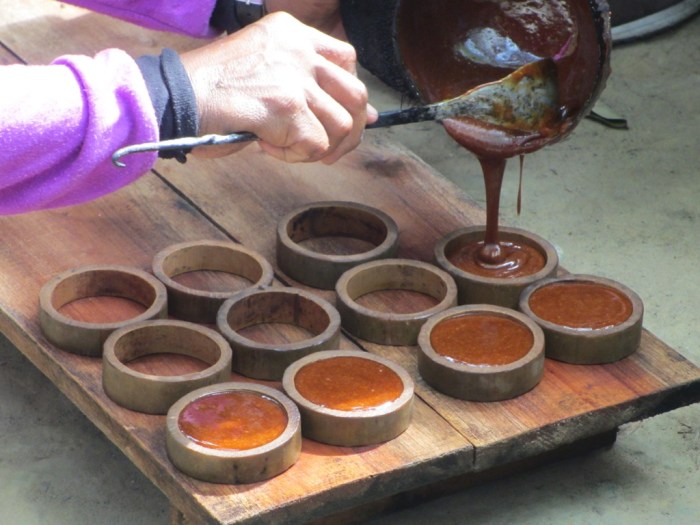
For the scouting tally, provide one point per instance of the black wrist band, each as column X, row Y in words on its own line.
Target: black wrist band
column 249, row 11
column 232, row 15
column 173, row 99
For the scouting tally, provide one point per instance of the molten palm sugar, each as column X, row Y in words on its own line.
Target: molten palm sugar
column 233, row 420
column 348, row 383
column 581, row 305
column 481, row 339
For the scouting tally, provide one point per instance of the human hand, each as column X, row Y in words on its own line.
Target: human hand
column 293, row 86
column 324, row 15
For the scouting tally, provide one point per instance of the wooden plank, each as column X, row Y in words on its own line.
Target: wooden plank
column 243, row 197
column 129, row 228
column 571, row 402
column 259, row 190
column 466, row 481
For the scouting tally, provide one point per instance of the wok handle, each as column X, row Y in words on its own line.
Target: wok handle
column 386, row 118
column 404, row 116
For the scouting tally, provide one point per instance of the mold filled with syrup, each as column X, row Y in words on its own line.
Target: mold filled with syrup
column 581, row 305
column 233, row 420
column 481, row 339
column 348, row 383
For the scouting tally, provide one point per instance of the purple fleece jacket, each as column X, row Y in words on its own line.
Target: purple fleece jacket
column 60, row 123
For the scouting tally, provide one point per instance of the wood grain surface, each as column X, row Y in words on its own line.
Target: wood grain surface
column 241, row 198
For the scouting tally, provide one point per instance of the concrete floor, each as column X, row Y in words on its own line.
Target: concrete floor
column 603, row 197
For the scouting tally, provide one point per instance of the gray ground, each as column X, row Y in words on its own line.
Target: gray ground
column 602, row 197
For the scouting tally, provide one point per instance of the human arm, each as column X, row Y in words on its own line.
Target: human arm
column 322, row 14
column 59, row 125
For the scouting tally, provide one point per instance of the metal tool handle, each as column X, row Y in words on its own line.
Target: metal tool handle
column 386, row 118
column 524, row 100
column 181, row 143
column 404, row 116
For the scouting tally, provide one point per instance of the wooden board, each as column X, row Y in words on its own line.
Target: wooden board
column 129, row 228
column 241, row 198
column 425, row 208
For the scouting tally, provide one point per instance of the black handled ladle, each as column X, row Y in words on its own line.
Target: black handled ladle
column 524, row 101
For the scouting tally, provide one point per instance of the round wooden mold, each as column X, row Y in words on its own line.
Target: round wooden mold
column 574, row 342
column 291, row 306
column 85, row 338
column 391, row 274
column 201, row 306
column 332, row 219
column 484, row 375
column 155, row 394
column 350, row 398
column 256, row 434
column 480, row 289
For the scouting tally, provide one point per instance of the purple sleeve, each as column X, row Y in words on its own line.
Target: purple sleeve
column 60, row 124
column 188, row 17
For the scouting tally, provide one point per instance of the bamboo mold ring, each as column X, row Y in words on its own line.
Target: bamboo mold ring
column 332, row 219
column 201, row 306
column 227, row 465
column 392, row 274
column 154, row 394
column 481, row 382
column 276, row 305
column 85, row 338
column 501, row 291
column 352, row 428
column 589, row 346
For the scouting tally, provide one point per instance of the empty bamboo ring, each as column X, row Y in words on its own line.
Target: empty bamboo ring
column 350, row 398
column 276, row 305
column 391, row 274
column 201, row 306
column 586, row 319
column 332, row 219
column 233, row 433
column 86, row 338
column 481, row 353
column 155, row 394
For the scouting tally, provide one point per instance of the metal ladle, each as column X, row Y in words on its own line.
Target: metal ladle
column 525, row 101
